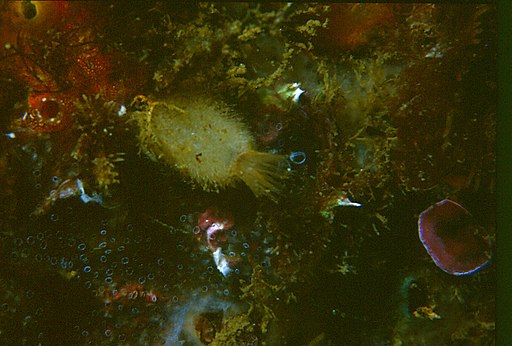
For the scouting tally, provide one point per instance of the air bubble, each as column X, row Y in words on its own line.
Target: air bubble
column 87, row 269
column 232, row 254
column 54, row 217
column 160, row 261
column 298, row 157
column 120, row 248
column 135, row 311
column 142, row 279
column 108, row 333
column 108, row 280
column 103, row 232
column 102, row 244
column 103, row 259
column 56, row 180
column 109, row 272
column 129, row 271
column 179, row 266
column 183, row 218
column 30, row 240
column 204, row 288
column 234, row 233
column 246, row 245
column 175, row 299
column 107, row 251
column 226, row 292
column 151, row 276
column 125, row 260
column 88, row 284
column 196, row 230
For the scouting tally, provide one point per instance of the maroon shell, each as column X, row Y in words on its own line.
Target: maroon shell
column 448, row 232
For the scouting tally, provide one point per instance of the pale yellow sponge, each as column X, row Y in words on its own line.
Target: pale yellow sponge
column 205, row 141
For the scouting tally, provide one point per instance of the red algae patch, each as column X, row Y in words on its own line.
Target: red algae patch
column 450, row 236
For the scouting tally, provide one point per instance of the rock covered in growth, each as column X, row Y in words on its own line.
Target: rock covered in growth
column 205, row 141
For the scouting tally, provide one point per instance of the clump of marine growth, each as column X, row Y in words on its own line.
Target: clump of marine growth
column 205, row 141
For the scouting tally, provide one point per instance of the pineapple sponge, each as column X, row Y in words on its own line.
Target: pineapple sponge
column 206, row 142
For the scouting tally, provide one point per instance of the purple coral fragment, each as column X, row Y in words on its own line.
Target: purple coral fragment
column 449, row 233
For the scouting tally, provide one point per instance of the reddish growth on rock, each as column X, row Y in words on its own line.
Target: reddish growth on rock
column 448, row 232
